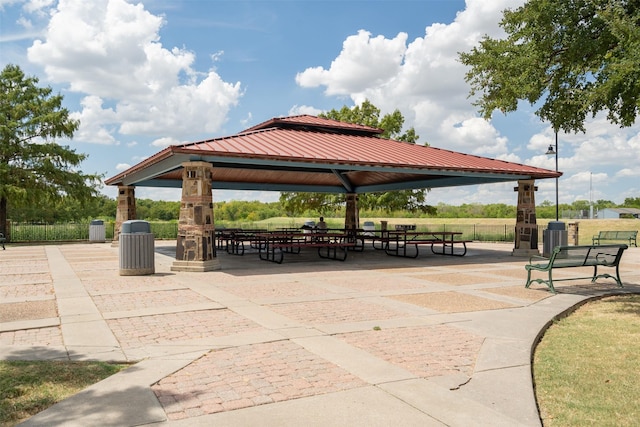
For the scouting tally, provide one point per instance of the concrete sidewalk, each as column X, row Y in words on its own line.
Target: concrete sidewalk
column 372, row 341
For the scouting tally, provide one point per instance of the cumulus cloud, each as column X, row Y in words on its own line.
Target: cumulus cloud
column 628, row 173
column 298, row 110
column 111, row 51
column 165, row 142
column 420, row 78
column 122, row 166
column 96, row 123
column 352, row 71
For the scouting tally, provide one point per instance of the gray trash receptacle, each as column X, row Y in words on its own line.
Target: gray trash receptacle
column 97, row 231
column 137, row 250
column 555, row 235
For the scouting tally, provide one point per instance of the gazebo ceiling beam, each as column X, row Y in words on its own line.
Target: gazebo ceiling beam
column 345, row 181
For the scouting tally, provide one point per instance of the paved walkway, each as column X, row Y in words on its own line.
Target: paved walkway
column 372, row 341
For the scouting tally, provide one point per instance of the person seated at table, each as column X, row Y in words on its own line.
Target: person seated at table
column 321, row 225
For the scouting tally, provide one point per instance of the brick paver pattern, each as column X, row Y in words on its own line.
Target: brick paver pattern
column 24, row 279
column 335, row 311
column 426, row 351
column 273, row 290
column 133, row 332
column 127, row 283
column 51, row 336
column 251, row 375
column 25, row 291
column 138, row 300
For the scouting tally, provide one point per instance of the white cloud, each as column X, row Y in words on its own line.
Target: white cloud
column 165, row 142
column 628, row 173
column 422, row 78
column 111, row 50
column 352, row 71
column 95, row 122
column 298, row 110
column 122, row 166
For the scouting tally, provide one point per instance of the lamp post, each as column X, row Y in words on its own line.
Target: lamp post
column 556, row 233
column 554, row 150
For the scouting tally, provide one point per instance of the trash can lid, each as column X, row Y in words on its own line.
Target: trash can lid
column 135, row 226
column 97, row 222
column 556, row 225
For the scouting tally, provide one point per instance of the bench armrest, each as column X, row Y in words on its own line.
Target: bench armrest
column 537, row 257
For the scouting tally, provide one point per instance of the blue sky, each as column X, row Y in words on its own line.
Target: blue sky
column 143, row 75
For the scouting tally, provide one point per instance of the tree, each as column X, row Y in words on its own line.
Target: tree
column 34, row 169
column 369, row 115
column 575, row 57
column 631, row 202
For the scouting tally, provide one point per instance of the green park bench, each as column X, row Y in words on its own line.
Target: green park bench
column 577, row 256
column 628, row 237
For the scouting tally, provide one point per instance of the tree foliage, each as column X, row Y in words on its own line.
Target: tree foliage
column 366, row 114
column 575, row 57
column 631, row 202
column 34, row 169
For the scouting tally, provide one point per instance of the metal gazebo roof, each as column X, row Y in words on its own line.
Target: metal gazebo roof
column 307, row 153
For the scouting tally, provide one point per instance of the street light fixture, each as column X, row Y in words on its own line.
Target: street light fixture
column 551, row 151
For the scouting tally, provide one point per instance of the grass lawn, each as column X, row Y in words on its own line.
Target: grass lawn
column 586, row 366
column 28, row 387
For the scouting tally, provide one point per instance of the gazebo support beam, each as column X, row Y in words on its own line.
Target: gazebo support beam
column 352, row 215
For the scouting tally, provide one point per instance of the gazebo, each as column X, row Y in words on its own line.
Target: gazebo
column 309, row 154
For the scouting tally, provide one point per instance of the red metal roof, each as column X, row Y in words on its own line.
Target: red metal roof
column 306, row 153
column 287, row 144
column 315, row 122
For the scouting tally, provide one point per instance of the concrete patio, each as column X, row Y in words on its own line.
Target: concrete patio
column 372, row 341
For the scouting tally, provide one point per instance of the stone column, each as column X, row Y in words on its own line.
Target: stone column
column 195, row 246
column 352, row 215
column 125, row 211
column 526, row 239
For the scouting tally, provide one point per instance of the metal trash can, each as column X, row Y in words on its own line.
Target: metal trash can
column 97, row 231
column 554, row 235
column 137, row 249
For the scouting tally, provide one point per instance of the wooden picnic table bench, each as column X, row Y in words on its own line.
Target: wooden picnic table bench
column 577, row 256
column 333, row 246
column 397, row 242
column 629, row 237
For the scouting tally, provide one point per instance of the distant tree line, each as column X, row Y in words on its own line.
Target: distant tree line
column 103, row 207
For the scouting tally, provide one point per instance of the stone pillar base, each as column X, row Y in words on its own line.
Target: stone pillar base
column 196, row 266
column 525, row 252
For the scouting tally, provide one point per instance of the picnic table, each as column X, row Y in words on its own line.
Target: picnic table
column 273, row 246
column 233, row 239
column 396, row 242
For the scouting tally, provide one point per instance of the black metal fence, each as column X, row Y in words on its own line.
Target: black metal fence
column 33, row 233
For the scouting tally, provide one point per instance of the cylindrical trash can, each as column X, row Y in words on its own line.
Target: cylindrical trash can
column 96, row 231
column 554, row 235
column 137, row 250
